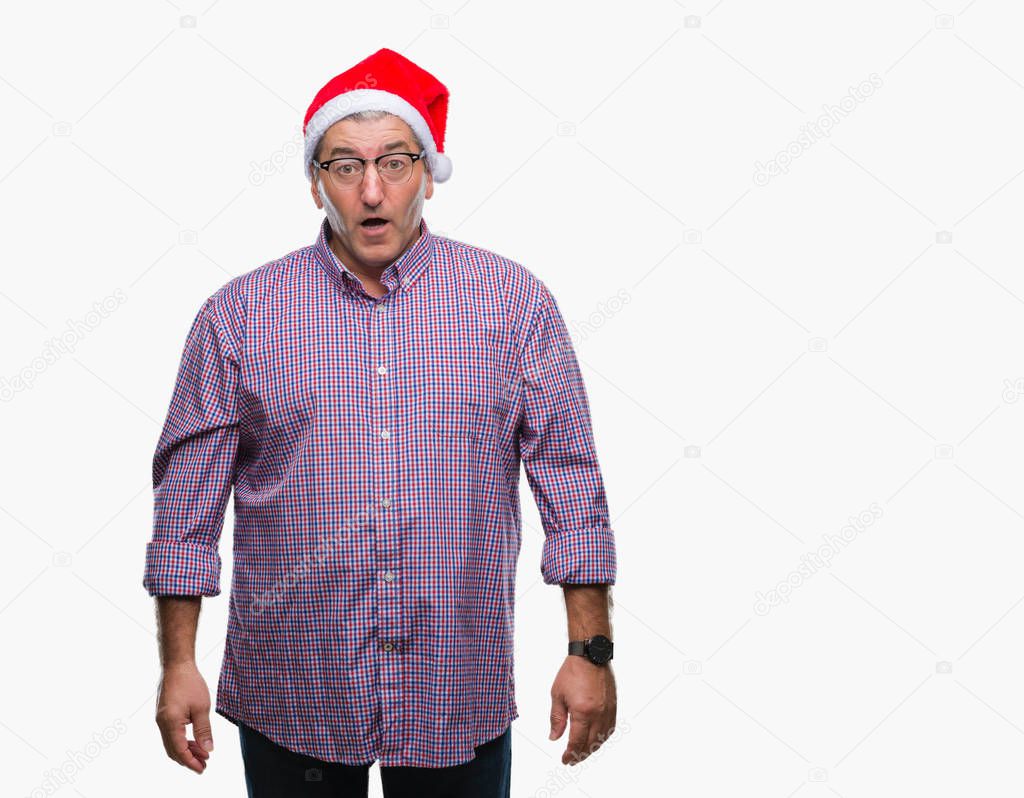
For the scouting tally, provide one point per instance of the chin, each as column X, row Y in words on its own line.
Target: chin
column 376, row 247
column 378, row 255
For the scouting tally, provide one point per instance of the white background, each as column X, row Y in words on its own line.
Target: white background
column 764, row 362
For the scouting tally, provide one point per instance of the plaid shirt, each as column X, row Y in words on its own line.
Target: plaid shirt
column 374, row 449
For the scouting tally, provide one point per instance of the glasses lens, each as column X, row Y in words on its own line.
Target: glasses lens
column 395, row 168
column 346, row 173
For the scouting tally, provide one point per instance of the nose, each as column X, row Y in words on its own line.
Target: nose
column 372, row 187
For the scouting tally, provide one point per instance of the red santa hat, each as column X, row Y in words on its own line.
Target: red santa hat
column 386, row 81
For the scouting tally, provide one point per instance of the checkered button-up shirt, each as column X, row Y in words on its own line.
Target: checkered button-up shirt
column 374, row 449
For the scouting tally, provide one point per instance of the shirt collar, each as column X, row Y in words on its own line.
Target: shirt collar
column 403, row 272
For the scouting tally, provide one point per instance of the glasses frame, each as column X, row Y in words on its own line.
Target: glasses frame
column 326, row 166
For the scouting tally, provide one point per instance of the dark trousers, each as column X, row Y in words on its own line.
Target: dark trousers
column 272, row 771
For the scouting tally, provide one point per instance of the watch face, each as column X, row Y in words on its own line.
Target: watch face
column 599, row 650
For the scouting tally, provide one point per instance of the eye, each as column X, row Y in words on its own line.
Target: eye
column 346, row 168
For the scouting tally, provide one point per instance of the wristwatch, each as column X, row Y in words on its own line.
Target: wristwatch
column 598, row 649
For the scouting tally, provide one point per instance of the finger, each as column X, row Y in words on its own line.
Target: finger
column 595, row 740
column 559, row 716
column 186, row 757
column 200, row 755
column 198, row 751
column 201, row 728
column 579, row 732
column 177, row 747
column 173, row 735
column 600, row 730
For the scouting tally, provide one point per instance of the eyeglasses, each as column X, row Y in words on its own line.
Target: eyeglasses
column 393, row 168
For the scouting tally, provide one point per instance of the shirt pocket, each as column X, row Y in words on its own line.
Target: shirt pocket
column 458, row 419
column 461, row 388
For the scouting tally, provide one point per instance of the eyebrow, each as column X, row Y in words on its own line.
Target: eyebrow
column 392, row 145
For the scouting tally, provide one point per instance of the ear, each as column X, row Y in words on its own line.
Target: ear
column 430, row 185
column 313, row 188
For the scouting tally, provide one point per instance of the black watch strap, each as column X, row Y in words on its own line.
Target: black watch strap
column 598, row 649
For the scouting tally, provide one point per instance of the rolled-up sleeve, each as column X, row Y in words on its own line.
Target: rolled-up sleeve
column 558, row 454
column 194, row 465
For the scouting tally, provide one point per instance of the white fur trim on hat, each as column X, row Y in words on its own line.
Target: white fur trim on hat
column 352, row 102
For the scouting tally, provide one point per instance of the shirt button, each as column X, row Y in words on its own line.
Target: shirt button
column 380, row 307
column 388, row 645
column 385, row 434
column 385, row 503
column 382, row 370
column 389, row 577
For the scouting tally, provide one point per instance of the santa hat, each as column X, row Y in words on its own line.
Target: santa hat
column 386, row 81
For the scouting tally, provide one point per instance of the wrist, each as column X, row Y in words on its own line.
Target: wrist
column 180, row 664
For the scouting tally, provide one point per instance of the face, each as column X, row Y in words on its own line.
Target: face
column 362, row 248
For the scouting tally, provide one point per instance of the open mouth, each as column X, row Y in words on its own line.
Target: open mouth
column 374, row 222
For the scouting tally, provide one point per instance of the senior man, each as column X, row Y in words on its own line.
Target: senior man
column 369, row 398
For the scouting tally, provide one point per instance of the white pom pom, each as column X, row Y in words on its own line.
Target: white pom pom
column 440, row 167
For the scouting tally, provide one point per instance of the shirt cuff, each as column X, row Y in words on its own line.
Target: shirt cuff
column 579, row 556
column 174, row 568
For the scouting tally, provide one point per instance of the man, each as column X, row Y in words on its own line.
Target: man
column 370, row 398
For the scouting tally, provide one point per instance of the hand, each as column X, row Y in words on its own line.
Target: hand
column 183, row 698
column 585, row 694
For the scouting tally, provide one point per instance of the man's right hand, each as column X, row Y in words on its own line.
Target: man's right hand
column 183, row 698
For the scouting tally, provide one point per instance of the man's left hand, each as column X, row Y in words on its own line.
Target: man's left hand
column 583, row 694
